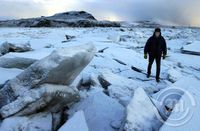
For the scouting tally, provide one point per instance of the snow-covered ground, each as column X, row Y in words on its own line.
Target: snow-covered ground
column 118, row 49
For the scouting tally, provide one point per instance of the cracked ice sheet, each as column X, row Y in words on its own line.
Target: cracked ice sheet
column 40, row 37
column 185, row 60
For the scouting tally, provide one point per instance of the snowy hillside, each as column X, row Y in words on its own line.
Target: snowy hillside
column 66, row 19
column 41, row 88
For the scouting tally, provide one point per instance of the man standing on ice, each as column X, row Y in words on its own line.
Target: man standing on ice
column 155, row 48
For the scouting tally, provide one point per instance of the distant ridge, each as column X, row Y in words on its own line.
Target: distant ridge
column 66, row 19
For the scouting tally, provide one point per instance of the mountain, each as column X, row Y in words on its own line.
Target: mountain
column 66, row 19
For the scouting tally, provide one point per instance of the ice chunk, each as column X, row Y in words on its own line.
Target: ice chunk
column 142, row 115
column 76, row 123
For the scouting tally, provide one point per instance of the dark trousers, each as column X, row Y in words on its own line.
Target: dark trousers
column 151, row 60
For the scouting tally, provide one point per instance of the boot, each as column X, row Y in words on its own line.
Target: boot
column 148, row 75
column 157, row 80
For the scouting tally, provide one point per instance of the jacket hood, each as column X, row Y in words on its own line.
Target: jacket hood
column 157, row 30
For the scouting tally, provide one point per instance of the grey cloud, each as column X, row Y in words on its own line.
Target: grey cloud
column 183, row 12
column 20, row 9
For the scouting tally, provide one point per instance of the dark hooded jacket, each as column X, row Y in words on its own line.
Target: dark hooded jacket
column 156, row 46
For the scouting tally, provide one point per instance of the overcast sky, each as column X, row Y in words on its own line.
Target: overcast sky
column 182, row 12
